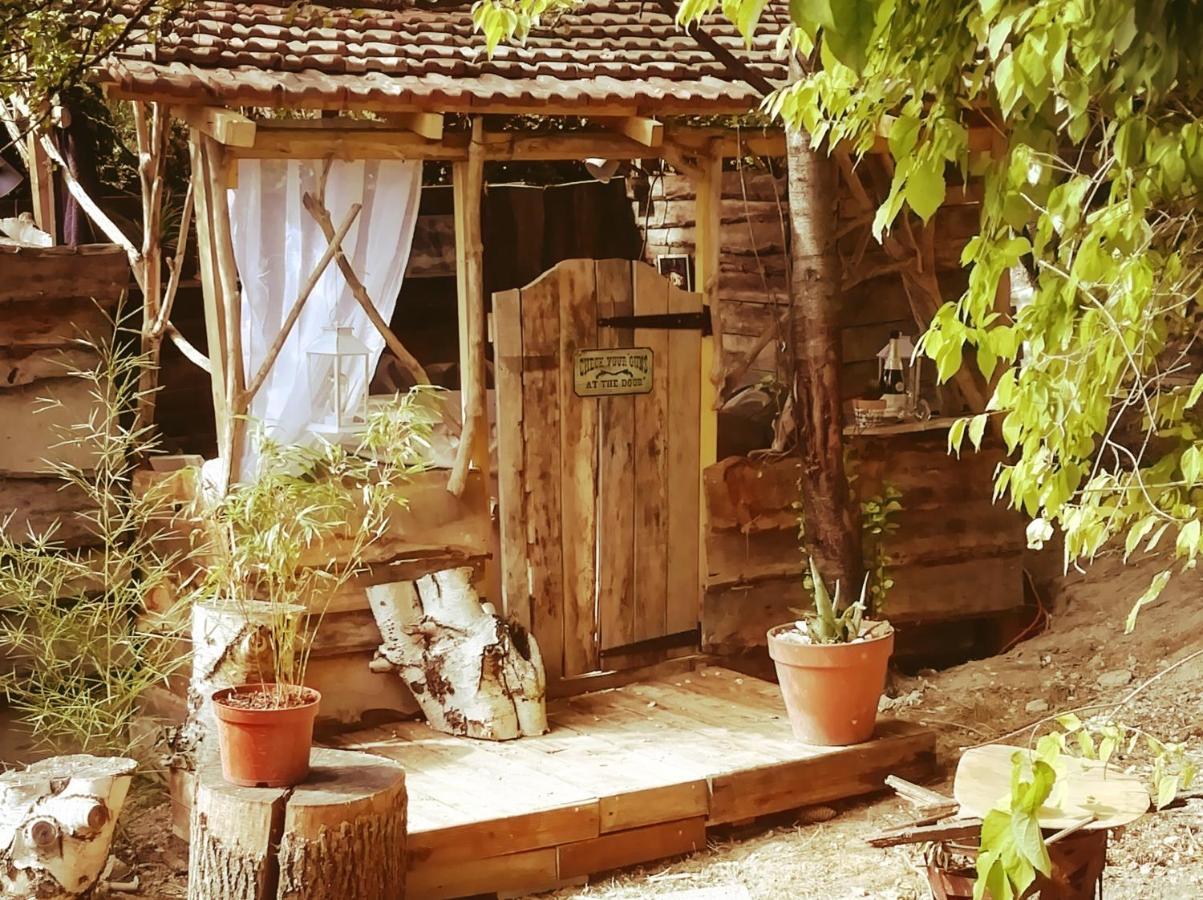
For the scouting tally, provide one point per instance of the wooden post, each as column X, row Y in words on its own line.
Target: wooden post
column 41, row 187
column 831, row 520
column 468, row 183
column 215, row 332
column 708, row 194
column 339, row 836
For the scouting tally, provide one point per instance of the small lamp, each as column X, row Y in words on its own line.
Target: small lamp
column 338, row 384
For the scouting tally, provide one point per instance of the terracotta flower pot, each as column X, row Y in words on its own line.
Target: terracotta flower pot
column 264, row 747
column 831, row 691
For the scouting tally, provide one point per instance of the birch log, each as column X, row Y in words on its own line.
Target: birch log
column 57, row 819
column 232, row 644
column 472, row 672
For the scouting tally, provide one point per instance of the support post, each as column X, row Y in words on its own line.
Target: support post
column 708, row 193
column 831, row 521
column 41, row 187
column 468, row 183
column 205, row 196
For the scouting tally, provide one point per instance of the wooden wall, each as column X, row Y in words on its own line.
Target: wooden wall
column 955, row 556
column 50, row 301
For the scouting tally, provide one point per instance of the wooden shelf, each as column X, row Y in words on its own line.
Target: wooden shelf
column 939, row 423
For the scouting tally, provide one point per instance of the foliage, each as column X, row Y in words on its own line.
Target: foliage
column 1012, row 848
column 69, row 622
column 1092, row 186
column 877, row 523
column 832, row 622
column 293, row 536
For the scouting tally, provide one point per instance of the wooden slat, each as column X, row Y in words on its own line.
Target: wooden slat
column 616, row 472
column 899, row 748
column 518, row 872
column 578, row 468
column 637, row 845
column 683, row 601
column 507, row 363
column 541, row 439
column 651, row 464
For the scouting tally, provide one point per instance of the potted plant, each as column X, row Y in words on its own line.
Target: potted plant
column 831, row 666
column 281, row 546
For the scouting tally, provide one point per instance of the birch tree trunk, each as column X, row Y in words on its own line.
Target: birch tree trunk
column 830, row 516
column 57, row 819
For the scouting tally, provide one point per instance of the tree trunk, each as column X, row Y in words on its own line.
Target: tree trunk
column 57, row 819
column 830, row 517
column 471, row 672
column 339, row 836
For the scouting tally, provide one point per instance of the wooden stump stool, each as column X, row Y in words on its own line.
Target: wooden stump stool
column 338, row 836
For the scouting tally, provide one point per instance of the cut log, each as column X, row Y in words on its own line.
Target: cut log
column 339, row 836
column 57, row 819
column 472, row 672
column 231, row 645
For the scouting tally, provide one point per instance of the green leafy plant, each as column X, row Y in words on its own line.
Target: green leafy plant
column 287, row 540
column 878, row 523
column 1012, row 846
column 74, row 625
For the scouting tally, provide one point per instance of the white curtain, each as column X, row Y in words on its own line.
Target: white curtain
column 277, row 245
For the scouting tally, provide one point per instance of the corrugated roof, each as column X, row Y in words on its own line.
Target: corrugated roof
column 397, row 56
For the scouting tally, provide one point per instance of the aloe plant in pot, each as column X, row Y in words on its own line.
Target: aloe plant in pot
column 281, row 545
column 831, row 666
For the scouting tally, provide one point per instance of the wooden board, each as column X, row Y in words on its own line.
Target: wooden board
column 578, row 461
column 541, row 439
column 616, row 472
column 625, row 776
column 511, row 498
column 1085, row 788
column 651, row 464
column 683, row 585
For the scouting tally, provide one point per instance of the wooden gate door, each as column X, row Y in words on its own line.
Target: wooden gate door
column 598, row 460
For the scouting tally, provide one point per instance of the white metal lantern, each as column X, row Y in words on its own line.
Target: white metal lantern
column 338, row 383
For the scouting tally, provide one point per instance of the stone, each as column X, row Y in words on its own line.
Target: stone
column 1115, row 678
column 1036, row 706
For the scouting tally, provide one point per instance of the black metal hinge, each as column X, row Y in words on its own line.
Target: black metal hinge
column 698, row 321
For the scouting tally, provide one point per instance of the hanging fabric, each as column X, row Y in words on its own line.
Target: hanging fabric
column 278, row 244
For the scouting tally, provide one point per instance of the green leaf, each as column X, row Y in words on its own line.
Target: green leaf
column 1195, row 392
column 977, row 428
column 1167, row 790
column 851, row 30
column 1191, row 465
column 956, row 434
column 925, row 189
column 1152, row 592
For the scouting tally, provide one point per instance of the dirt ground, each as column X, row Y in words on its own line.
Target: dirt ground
column 1082, row 658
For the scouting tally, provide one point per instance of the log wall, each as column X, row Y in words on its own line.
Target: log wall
column 51, row 300
column 956, row 555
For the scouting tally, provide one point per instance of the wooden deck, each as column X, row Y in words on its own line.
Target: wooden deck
column 625, row 776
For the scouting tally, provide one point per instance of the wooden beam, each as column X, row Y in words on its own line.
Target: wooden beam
column 424, row 124
column 41, row 187
column 225, row 126
column 468, row 184
column 205, row 196
column 641, row 129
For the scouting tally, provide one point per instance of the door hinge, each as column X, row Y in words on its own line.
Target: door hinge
column 696, row 321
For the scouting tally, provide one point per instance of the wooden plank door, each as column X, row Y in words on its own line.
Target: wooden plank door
column 599, row 495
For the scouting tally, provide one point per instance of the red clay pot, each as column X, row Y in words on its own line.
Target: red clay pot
column 264, row 747
column 831, row 691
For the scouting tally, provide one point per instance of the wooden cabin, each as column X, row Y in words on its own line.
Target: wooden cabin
column 584, row 483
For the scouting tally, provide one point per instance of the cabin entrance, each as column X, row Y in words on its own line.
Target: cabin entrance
column 598, row 377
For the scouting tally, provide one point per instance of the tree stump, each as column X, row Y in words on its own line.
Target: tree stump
column 56, row 824
column 339, row 836
column 472, row 672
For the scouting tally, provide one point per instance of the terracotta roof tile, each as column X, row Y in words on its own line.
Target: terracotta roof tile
column 627, row 52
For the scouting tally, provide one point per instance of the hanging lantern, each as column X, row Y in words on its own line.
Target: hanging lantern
column 338, row 384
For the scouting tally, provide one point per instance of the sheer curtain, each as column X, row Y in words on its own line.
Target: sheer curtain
column 277, row 245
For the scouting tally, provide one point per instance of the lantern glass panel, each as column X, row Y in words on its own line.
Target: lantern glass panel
column 338, row 383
